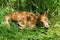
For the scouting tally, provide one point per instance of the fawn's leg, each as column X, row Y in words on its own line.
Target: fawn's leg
column 32, row 26
column 22, row 25
column 7, row 21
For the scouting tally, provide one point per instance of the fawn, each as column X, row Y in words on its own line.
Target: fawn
column 27, row 19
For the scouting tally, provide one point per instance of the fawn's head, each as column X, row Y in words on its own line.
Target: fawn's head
column 44, row 19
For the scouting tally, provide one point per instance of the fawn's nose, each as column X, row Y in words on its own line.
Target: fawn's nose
column 46, row 26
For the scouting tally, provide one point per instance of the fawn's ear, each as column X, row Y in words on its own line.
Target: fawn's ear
column 46, row 12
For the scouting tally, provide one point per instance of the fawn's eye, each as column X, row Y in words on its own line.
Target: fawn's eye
column 42, row 22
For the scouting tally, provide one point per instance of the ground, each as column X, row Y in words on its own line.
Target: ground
column 39, row 33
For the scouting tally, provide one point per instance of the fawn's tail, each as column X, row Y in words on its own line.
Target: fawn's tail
column 7, row 21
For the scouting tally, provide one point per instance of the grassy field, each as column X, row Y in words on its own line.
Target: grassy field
column 39, row 33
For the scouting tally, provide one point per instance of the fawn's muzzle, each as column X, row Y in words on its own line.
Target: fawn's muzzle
column 46, row 25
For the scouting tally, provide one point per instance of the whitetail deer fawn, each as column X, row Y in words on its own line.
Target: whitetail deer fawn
column 27, row 19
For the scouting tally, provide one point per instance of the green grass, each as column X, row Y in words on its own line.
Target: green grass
column 39, row 33
column 53, row 33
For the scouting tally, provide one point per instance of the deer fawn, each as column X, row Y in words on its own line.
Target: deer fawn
column 27, row 19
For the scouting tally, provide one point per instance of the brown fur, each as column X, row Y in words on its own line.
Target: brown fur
column 26, row 19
